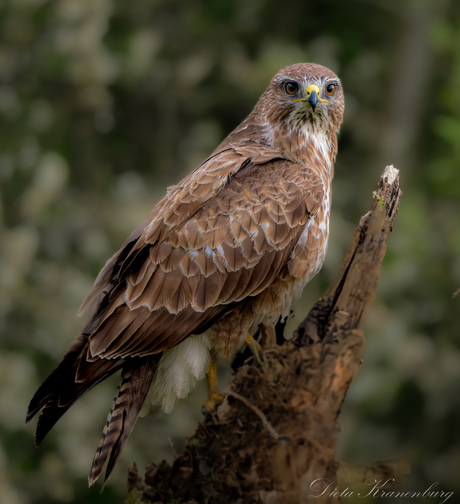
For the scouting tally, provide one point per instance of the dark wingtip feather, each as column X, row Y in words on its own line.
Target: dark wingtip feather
column 60, row 391
column 44, row 394
column 50, row 414
column 50, row 389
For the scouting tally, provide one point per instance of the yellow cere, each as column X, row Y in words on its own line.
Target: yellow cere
column 310, row 89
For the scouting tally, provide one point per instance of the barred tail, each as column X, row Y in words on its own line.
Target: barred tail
column 128, row 401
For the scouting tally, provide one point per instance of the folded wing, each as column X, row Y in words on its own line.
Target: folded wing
column 221, row 236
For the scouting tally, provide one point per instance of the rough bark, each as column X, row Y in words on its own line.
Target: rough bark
column 275, row 433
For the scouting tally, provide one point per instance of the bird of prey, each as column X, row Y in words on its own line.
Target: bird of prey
column 229, row 247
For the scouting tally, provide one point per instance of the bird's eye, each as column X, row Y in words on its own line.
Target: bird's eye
column 330, row 89
column 291, row 88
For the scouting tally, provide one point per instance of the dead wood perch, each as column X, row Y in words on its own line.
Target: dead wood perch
column 275, row 433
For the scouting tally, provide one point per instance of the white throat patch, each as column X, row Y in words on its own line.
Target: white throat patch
column 322, row 144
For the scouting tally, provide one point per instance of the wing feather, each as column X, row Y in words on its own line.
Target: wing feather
column 232, row 247
column 221, row 236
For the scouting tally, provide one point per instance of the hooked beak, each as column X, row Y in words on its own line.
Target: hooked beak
column 313, row 99
column 313, row 96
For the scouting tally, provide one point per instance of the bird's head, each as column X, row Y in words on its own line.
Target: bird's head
column 304, row 97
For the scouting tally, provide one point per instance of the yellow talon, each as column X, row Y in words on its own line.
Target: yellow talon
column 254, row 347
column 214, row 396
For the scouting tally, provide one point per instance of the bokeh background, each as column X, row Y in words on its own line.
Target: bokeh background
column 104, row 103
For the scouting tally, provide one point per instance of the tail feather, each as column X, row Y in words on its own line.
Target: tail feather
column 127, row 404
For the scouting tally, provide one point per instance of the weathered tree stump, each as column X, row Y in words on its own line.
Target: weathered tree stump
column 273, row 439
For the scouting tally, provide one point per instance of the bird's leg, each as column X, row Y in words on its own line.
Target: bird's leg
column 254, row 347
column 214, row 396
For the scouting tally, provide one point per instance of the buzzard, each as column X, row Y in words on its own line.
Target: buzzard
column 229, row 247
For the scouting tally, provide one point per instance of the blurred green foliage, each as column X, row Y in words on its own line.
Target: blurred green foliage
column 104, row 103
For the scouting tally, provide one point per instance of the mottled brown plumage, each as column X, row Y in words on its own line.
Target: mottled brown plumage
column 226, row 249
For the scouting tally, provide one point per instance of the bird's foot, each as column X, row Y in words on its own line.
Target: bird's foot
column 210, row 405
column 254, row 346
column 214, row 396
